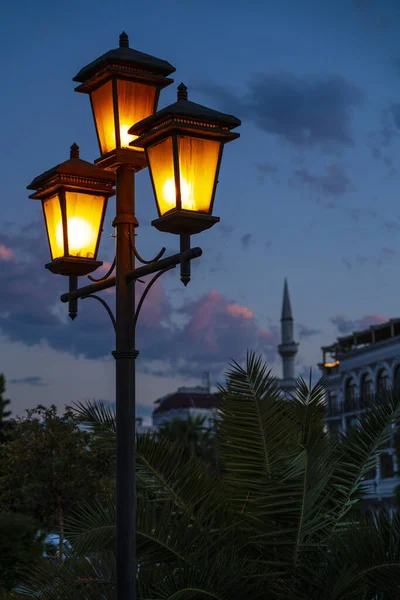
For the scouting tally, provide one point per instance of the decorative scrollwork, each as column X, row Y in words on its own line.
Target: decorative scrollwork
column 104, row 303
column 107, row 275
column 146, row 291
column 140, row 258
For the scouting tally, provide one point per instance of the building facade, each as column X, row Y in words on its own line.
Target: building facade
column 356, row 367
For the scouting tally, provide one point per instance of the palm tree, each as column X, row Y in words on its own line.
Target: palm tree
column 277, row 523
column 193, row 434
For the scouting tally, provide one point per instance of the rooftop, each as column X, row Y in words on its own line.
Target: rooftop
column 365, row 338
column 187, row 399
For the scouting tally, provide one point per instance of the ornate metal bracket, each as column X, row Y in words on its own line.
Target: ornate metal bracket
column 136, row 253
column 146, row 291
column 157, row 268
column 107, row 275
column 104, row 303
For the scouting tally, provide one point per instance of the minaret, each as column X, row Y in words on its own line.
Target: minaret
column 288, row 347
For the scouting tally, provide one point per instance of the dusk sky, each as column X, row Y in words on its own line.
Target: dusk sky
column 310, row 191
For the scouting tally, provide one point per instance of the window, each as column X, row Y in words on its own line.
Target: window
column 396, row 379
column 366, row 390
column 350, row 395
column 386, row 466
column 382, row 381
column 333, row 409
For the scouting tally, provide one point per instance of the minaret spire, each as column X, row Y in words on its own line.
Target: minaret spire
column 288, row 347
column 286, row 306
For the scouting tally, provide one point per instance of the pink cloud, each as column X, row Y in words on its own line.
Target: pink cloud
column 369, row 320
column 5, row 253
column 239, row 311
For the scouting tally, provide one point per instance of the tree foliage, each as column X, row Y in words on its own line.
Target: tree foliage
column 4, row 413
column 276, row 523
column 50, row 466
column 20, row 547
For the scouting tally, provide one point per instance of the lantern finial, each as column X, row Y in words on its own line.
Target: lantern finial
column 182, row 92
column 74, row 153
column 123, row 40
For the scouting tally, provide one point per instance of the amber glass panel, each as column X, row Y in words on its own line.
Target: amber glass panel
column 103, row 108
column 52, row 213
column 135, row 102
column 198, row 160
column 162, row 169
column 84, row 213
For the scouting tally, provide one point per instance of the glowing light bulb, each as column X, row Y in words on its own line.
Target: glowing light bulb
column 169, row 194
column 80, row 236
column 126, row 138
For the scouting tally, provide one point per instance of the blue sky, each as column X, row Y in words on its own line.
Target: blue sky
column 309, row 191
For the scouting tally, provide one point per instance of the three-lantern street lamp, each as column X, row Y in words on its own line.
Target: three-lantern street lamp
column 182, row 146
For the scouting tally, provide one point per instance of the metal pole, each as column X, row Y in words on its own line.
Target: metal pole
column 125, row 355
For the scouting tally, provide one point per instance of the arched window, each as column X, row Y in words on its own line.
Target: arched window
column 332, row 404
column 386, row 466
column 382, row 381
column 366, row 390
column 350, row 395
column 396, row 379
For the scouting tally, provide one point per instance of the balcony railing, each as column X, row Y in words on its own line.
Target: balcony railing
column 350, row 405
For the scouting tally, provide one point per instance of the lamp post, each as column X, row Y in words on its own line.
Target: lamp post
column 182, row 144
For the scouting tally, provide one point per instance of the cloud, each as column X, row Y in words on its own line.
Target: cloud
column 187, row 340
column 345, row 325
column 267, row 169
column 306, row 111
column 391, row 226
column 307, row 332
column 225, row 229
column 382, row 140
column 5, row 253
column 34, row 380
column 334, row 182
column 246, row 239
column 385, row 256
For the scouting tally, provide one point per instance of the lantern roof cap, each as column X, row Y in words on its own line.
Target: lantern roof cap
column 186, row 109
column 73, row 167
column 125, row 56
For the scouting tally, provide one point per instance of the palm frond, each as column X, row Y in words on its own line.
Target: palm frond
column 358, row 449
column 254, row 428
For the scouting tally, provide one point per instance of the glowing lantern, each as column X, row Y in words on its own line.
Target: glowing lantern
column 183, row 144
column 74, row 198
column 124, row 87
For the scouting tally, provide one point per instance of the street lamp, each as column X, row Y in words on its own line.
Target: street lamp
column 183, row 146
column 124, row 86
column 74, row 198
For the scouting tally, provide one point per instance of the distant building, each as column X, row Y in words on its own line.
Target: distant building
column 144, row 424
column 196, row 402
column 357, row 366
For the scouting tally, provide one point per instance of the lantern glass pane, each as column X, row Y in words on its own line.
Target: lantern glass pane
column 198, row 161
column 84, row 214
column 135, row 103
column 103, row 109
column 161, row 163
column 52, row 213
